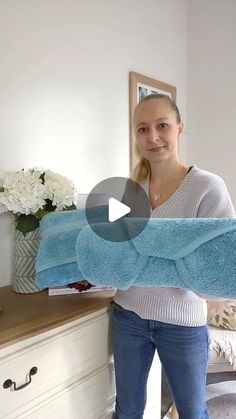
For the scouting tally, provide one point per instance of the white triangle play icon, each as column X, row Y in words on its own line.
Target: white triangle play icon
column 116, row 209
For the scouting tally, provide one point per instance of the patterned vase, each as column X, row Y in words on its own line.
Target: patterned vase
column 25, row 251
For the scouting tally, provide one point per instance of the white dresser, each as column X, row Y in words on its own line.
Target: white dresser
column 65, row 342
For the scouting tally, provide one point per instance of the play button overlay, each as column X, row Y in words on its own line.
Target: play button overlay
column 111, row 202
column 116, row 210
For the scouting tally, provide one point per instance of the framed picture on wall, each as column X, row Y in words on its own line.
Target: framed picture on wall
column 140, row 86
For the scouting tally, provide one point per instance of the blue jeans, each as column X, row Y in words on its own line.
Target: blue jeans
column 183, row 352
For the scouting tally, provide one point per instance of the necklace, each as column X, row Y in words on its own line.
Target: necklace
column 156, row 196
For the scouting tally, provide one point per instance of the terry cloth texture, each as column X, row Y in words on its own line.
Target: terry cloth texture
column 56, row 258
column 196, row 254
column 201, row 194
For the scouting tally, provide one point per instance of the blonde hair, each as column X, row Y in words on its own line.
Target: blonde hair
column 142, row 168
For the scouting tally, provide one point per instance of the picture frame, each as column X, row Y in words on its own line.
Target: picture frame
column 140, row 86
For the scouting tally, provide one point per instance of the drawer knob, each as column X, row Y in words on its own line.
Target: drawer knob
column 8, row 383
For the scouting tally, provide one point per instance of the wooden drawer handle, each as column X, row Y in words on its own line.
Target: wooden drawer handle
column 8, row 383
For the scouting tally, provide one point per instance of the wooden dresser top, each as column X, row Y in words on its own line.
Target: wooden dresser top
column 25, row 315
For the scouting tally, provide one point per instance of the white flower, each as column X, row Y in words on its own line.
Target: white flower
column 28, row 191
column 60, row 190
column 3, row 207
column 23, row 192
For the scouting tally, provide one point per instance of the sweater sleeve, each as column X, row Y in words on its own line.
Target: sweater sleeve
column 215, row 201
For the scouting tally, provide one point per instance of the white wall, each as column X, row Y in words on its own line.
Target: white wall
column 211, row 90
column 64, row 84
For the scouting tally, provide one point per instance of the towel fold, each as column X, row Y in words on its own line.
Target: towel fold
column 56, row 262
column 196, row 254
column 204, row 256
column 174, row 238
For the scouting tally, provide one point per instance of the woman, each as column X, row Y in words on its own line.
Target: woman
column 173, row 321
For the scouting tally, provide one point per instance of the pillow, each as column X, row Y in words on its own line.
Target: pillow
column 222, row 313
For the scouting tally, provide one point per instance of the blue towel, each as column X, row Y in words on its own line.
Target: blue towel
column 56, row 262
column 196, row 254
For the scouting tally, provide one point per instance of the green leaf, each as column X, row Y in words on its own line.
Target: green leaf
column 27, row 223
column 40, row 213
column 1, row 189
column 48, row 206
column 217, row 317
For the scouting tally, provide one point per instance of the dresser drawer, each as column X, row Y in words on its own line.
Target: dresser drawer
column 90, row 398
column 61, row 360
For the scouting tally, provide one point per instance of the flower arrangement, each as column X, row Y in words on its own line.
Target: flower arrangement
column 32, row 193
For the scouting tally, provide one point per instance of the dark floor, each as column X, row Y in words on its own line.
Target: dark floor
column 221, row 376
column 211, row 379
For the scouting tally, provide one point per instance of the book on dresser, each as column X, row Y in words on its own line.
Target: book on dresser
column 63, row 290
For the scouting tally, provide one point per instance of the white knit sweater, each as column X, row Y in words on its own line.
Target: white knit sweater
column 201, row 194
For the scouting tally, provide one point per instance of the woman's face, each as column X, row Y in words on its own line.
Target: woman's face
column 156, row 129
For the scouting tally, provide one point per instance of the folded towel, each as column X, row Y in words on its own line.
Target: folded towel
column 196, row 254
column 173, row 238
column 56, row 262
